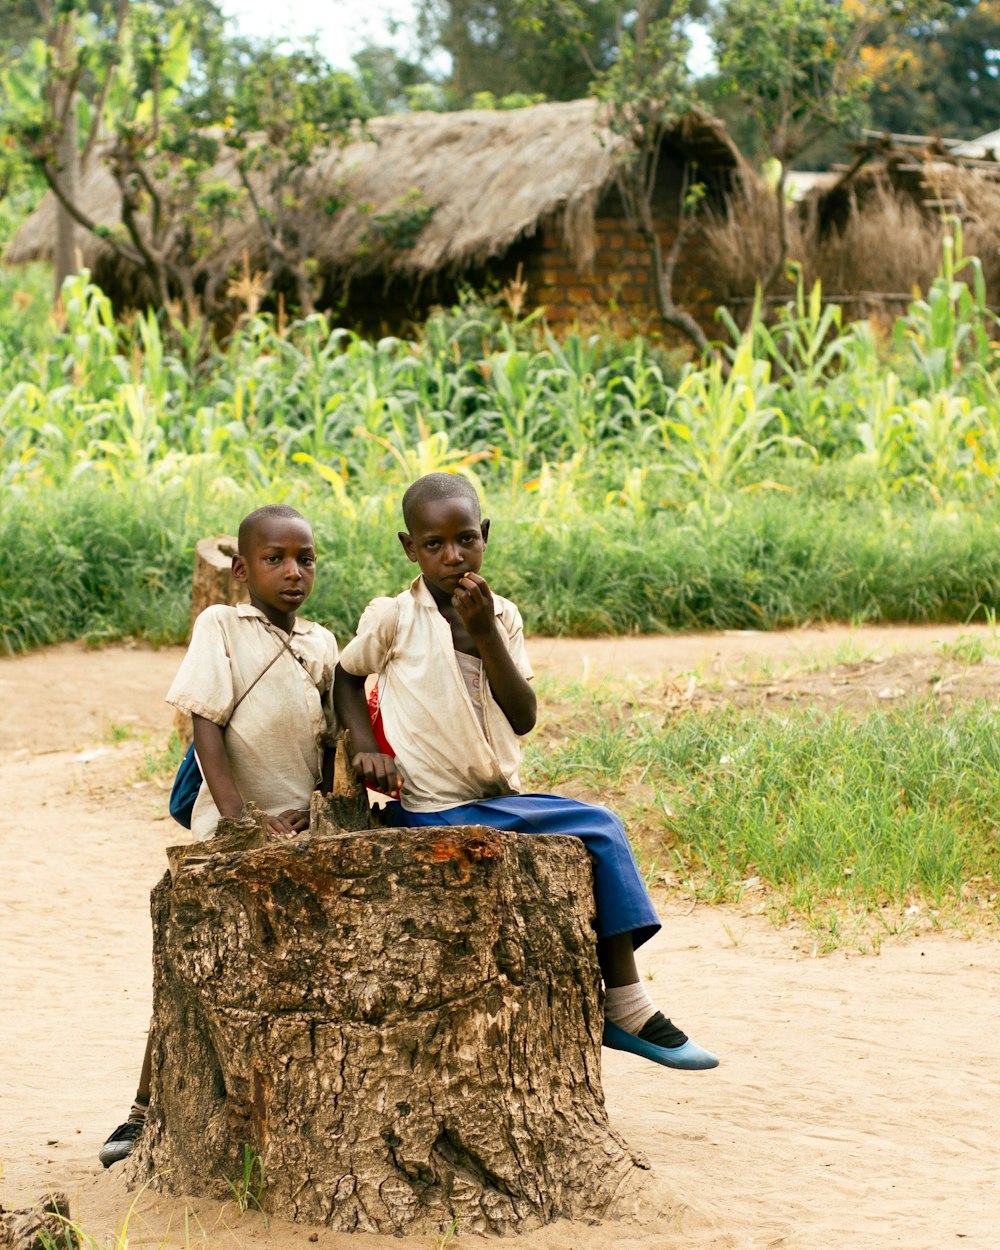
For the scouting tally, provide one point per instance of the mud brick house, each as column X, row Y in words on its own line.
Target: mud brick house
column 427, row 202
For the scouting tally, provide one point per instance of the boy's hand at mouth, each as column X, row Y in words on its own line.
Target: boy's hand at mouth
column 473, row 600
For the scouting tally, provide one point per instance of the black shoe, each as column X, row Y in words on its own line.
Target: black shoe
column 121, row 1143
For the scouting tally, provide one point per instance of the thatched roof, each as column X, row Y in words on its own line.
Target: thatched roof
column 933, row 174
column 488, row 177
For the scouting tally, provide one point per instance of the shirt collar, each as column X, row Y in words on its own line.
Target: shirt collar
column 298, row 625
column 418, row 588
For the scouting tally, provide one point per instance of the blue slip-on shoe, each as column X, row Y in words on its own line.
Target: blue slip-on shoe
column 689, row 1057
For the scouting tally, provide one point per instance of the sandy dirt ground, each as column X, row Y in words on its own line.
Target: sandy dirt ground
column 858, row 1100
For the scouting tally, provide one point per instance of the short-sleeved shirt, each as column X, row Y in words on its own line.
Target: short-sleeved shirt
column 444, row 754
column 276, row 737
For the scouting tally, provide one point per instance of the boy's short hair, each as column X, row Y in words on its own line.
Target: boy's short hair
column 435, row 486
column 269, row 512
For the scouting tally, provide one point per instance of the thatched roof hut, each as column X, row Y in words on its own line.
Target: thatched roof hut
column 483, row 181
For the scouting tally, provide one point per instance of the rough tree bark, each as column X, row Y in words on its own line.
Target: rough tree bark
column 40, row 1227
column 213, row 581
column 64, row 258
column 403, row 1026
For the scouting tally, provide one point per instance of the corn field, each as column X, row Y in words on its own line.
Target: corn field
column 813, row 468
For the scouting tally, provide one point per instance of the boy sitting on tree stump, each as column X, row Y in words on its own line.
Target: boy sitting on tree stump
column 454, row 696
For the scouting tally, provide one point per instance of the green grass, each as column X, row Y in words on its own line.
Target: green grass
column 112, row 564
column 248, row 1188
column 833, row 815
column 830, row 473
column 163, row 761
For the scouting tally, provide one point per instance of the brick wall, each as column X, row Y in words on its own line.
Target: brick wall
column 618, row 287
column 620, row 281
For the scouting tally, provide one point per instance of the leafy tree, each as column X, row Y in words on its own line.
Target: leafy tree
column 387, row 80
column 287, row 109
column 131, row 78
column 805, row 68
column 115, row 75
column 645, row 90
column 508, row 46
column 642, row 89
column 949, row 78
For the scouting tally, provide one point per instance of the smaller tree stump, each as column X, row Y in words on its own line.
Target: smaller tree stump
column 44, row 1226
column 402, row 1025
column 212, row 582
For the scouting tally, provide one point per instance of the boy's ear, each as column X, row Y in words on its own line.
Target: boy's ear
column 408, row 546
column 484, row 525
column 239, row 567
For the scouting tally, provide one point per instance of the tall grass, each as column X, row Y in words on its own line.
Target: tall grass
column 873, row 242
column 116, row 403
column 886, row 810
column 83, row 564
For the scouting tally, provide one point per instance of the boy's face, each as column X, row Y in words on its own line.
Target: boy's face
column 279, row 567
column 447, row 540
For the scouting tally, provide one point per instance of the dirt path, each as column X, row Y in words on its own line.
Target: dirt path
column 858, row 1103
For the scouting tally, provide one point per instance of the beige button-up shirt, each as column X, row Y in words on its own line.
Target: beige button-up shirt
column 443, row 754
column 276, row 737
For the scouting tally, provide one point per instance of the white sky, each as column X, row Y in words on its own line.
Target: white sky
column 345, row 26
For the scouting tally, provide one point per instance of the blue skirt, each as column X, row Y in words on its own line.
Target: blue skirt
column 622, row 900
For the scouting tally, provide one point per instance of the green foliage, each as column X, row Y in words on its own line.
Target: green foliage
column 824, row 472
column 946, row 79
column 164, row 761
column 512, row 46
column 648, row 85
column 515, row 100
column 248, row 1188
column 387, row 80
column 400, row 226
column 165, row 100
column 803, row 69
column 797, row 64
column 717, row 423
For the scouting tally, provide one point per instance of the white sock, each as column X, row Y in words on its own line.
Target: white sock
column 628, row 1006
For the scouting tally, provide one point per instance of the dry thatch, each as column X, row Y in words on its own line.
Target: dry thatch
column 487, row 179
column 882, row 243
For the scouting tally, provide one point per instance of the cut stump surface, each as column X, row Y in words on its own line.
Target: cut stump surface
column 403, row 1026
column 213, row 581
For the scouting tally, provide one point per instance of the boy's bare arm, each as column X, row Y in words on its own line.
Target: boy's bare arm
column 378, row 770
column 210, row 745
column 473, row 601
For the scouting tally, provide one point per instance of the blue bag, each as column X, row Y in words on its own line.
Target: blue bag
column 185, row 789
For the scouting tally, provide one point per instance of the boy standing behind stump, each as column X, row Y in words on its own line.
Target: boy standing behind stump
column 454, row 696
column 257, row 682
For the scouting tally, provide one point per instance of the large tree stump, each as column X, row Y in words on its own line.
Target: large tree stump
column 403, row 1026
column 212, row 582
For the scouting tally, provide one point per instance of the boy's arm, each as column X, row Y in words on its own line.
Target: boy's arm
column 210, row 746
column 378, row 770
column 473, row 600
